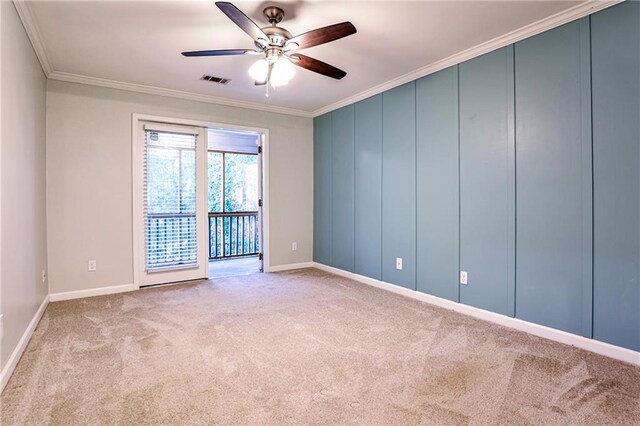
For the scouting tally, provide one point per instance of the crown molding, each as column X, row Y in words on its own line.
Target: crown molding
column 553, row 21
column 24, row 12
column 172, row 93
column 30, row 26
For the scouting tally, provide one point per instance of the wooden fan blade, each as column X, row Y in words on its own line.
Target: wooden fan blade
column 242, row 20
column 322, row 35
column 222, row 52
column 318, row 66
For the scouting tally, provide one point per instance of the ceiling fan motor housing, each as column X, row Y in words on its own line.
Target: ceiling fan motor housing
column 277, row 36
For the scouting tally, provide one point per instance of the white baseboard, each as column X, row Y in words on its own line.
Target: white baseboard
column 581, row 342
column 289, row 267
column 7, row 371
column 101, row 291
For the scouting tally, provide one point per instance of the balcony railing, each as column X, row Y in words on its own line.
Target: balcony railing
column 233, row 234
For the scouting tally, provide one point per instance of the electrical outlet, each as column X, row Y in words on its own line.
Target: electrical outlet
column 464, row 277
column 92, row 266
column 294, row 246
column 44, row 276
column 399, row 263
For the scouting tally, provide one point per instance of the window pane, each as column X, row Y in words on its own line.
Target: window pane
column 163, row 180
column 170, row 199
column 241, row 182
column 215, row 182
column 188, row 181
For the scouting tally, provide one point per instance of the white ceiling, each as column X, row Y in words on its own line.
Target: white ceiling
column 140, row 42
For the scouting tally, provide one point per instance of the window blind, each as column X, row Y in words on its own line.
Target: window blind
column 233, row 141
column 169, row 197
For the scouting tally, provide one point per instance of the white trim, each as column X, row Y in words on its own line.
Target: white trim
column 290, row 266
column 545, row 24
column 583, row 9
column 100, row 291
column 172, row 93
column 137, row 219
column 265, row 215
column 7, row 371
column 24, row 12
column 138, row 256
column 591, row 345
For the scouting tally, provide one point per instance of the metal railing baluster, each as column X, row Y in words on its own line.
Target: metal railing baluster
column 238, row 234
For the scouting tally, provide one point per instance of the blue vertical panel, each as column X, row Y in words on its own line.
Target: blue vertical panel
column 322, row 189
column 553, row 179
column 437, row 184
column 615, row 38
column 343, row 183
column 487, row 181
column 398, row 185
column 368, row 197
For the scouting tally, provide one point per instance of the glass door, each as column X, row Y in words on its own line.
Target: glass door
column 174, row 203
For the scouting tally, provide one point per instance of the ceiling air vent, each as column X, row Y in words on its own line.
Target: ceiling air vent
column 213, row 79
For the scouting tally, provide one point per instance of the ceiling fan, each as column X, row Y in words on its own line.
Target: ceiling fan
column 279, row 47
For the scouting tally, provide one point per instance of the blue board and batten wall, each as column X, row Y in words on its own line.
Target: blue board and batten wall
column 553, row 179
column 615, row 75
column 520, row 167
column 487, row 181
column 399, row 185
column 368, row 184
column 437, row 184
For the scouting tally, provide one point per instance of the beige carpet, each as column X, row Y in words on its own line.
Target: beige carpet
column 301, row 347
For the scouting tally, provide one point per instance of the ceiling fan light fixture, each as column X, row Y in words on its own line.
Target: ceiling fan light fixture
column 259, row 70
column 277, row 82
column 283, row 71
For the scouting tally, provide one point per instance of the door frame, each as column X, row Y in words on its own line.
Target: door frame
column 137, row 181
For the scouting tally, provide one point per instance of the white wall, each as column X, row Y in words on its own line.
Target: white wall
column 89, row 186
column 22, row 181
